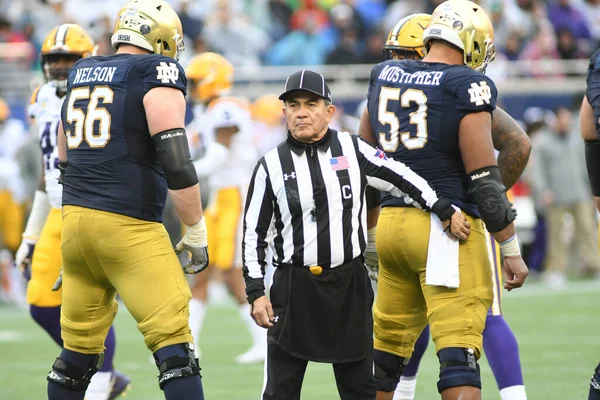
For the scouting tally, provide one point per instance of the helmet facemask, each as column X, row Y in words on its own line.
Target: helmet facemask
column 57, row 67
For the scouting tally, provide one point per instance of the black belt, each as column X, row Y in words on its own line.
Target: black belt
column 318, row 269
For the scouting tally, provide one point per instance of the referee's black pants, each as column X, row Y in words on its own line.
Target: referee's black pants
column 285, row 374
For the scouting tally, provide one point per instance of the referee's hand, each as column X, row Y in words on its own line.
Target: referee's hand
column 262, row 312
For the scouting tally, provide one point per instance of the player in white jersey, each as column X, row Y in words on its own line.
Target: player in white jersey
column 224, row 124
column 39, row 255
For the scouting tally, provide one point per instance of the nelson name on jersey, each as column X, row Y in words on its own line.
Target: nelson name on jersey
column 395, row 74
column 94, row 74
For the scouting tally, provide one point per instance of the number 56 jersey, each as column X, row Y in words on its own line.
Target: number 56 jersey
column 113, row 165
column 415, row 109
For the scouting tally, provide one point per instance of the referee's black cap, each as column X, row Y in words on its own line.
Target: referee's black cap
column 309, row 81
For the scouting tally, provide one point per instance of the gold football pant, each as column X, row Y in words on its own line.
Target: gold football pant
column 405, row 305
column 223, row 218
column 105, row 253
column 12, row 221
column 46, row 264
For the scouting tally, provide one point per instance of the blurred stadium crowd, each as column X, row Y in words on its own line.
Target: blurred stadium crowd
column 556, row 212
column 278, row 32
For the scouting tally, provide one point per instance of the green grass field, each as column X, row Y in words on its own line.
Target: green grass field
column 558, row 333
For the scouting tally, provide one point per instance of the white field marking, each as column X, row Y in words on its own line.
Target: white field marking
column 12, row 336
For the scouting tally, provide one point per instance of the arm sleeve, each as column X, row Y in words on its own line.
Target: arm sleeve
column 257, row 220
column 592, row 91
column 392, row 176
column 162, row 71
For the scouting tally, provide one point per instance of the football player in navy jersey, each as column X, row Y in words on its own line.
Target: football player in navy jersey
column 590, row 128
column 121, row 146
column 435, row 116
column 405, row 41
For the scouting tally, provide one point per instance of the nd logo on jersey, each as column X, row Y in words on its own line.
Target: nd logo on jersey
column 167, row 72
column 480, row 93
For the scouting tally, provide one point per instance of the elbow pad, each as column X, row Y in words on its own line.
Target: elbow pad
column 489, row 194
column 592, row 160
column 174, row 155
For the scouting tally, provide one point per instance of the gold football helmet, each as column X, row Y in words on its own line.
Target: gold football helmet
column 210, row 74
column 465, row 25
column 151, row 25
column 267, row 109
column 66, row 42
column 407, row 37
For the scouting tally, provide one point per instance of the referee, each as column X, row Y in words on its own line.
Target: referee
column 310, row 192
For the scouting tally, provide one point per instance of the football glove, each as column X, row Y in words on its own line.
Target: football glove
column 371, row 257
column 23, row 257
column 196, row 242
column 58, row 283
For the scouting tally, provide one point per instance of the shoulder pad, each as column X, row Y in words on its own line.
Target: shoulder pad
column 34, row 95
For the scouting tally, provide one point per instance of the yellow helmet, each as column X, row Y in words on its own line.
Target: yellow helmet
column 151, row 25
column 465, row 25
column 65, row 41
column 211, row 74
column 407, row 35
column 267, row 109
column 4, row 110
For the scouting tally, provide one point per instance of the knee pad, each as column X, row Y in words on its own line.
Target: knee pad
column 74, row 377
column 458, row 367
column 595, row 382
column 176, row 367
column 387, row 370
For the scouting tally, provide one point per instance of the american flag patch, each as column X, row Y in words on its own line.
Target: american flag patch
column 380, row 154
column 339, row 163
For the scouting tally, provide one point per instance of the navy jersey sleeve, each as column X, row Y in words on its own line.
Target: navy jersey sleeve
column 475, row 93
column 592, row 91
column 163, row 71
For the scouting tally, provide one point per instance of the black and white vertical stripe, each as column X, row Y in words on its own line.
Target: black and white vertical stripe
column 318, row 214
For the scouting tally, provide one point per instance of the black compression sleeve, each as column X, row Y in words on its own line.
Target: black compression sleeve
column 592, row 160
column 174, row 155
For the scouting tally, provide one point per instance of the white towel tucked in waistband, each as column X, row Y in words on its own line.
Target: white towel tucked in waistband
column 442, row 257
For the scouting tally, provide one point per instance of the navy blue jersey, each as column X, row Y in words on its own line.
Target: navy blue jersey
column 592, row 91
column 113, row 165
column 415, row 109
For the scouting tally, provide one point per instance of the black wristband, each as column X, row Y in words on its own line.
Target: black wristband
column 443, row 209
column 255, row 288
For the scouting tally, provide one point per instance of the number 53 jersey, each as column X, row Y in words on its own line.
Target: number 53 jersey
column 113, row 165
column 415, row 109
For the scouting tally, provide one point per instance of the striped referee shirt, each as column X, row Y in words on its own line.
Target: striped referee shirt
column 312, row 197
